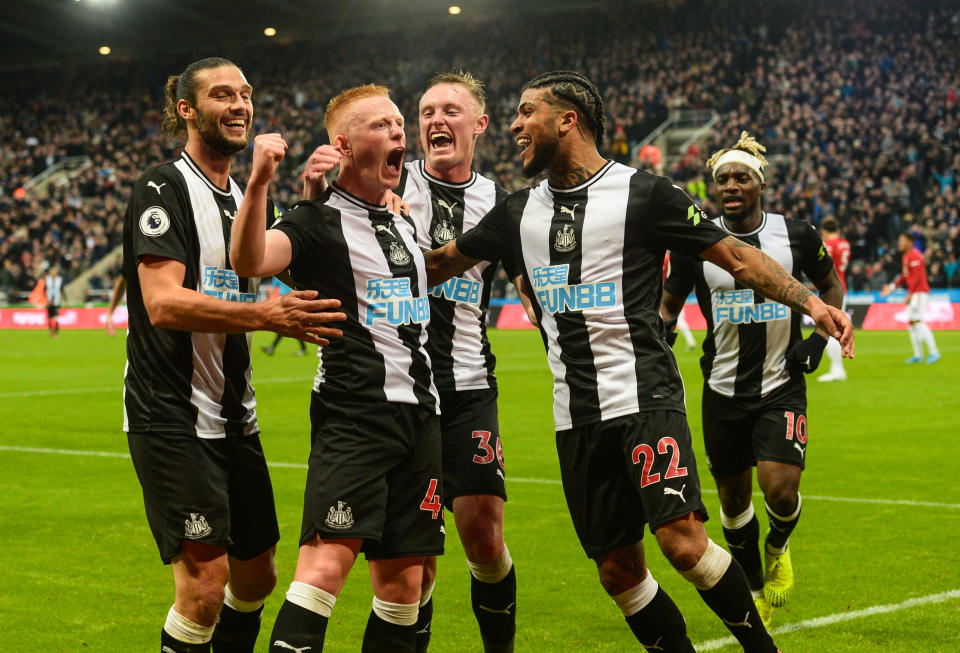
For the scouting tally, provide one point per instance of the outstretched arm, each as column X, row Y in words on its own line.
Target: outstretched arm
column 254, row 250
column 446, row 262
column 757, row 271
column 171, row 306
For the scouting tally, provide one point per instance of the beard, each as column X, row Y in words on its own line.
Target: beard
column 542, row 155
column 216, row 140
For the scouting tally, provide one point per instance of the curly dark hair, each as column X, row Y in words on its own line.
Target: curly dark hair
column 572, row 90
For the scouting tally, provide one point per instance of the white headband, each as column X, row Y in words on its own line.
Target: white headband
column 738, row 156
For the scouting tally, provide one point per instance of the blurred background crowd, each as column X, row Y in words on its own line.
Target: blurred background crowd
column 856, row 101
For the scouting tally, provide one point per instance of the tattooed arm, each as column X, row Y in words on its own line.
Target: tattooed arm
column 757, row 271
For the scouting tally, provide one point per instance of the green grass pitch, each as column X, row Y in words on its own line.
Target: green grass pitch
column 875, row 552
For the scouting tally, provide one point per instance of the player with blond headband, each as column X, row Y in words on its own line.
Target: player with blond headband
column 754, row 360
column 374, row 476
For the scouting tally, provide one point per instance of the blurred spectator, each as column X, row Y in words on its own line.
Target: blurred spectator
column 857, row 102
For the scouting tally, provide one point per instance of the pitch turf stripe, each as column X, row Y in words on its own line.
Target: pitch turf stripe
column 830, row 619
column 536, row 481
column 119, row 388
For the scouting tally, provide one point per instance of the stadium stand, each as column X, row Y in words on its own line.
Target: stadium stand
column 856, row 101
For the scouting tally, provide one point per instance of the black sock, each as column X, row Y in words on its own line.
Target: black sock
column 384, row 637
column 424, row 619
column 495, row 606
column 236, row 631
column 744, row 546
column 779, row 529
column 297, row 627
column 730, row 599
column 659, row 625
column 170, row 645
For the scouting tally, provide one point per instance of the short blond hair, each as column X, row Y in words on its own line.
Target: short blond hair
column 748, row 144
column 464, row 79
column 334, row 116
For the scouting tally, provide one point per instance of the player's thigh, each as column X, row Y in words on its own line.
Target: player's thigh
column 414, row 524
column 917, row 307
column 185, row 489
column 253, row 515
column 726, row 434
column 606, row 509
column 780, row 431
column 658, row 450
column 353, row 448
column 472, row 446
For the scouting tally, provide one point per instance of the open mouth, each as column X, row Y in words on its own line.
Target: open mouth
column 236, row 124
column 395, row 160
column 524, row 143
column 732, row 203
column 440, row 140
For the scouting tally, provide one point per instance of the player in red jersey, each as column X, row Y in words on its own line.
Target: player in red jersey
column 914, row 276
column 839, row 250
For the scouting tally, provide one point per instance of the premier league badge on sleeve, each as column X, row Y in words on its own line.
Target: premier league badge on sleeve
column 154, row 221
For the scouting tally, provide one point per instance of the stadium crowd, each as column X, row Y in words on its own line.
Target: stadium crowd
column 856, row 101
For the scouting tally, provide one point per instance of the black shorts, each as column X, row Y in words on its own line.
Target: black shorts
column 52, row 311
column 211, row 490
column 472, row 450
column 739, row 432
column 374, row 474
column 623, row 473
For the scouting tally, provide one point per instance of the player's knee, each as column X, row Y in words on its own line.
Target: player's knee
column 429, row 574
column 735, row 505
column 682, row 542
column 683, row 554
column 255, row 588
column 484, row 548
column 622, row 569
column 206, row 596
column 480, row 525
column 782, row 498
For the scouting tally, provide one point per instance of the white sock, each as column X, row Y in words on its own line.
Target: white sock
column 637, row 597
column 311, row 598
column 737, row 521
column 492, row 572
column 186, row 631
column 401, row 614
column 230, row 600
column 835, row 354
column 926, row 335
column 916, row 340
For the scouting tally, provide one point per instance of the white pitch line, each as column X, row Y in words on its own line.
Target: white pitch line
column 830, row 619
column 537, row 481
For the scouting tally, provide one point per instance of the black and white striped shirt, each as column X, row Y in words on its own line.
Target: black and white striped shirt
column 744, row 353
column 593, row 257
column 367, row 258
column 180, row 381
column 441, row 210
